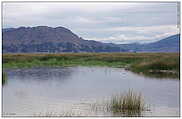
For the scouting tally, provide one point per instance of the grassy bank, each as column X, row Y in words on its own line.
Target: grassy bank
column 69, row 59
column 137, row 62
column 168, row 65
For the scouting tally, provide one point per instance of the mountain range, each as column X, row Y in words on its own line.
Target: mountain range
column 44, row 39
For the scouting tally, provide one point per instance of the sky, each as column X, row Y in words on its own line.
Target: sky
column 109, row 22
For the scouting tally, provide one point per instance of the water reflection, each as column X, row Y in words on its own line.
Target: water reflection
column 41, row 90
column 45, row 73
column 128, row 113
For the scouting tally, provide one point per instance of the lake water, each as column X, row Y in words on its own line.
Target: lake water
column 71, row 91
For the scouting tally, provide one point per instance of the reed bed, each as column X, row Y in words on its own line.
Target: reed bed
column 137, row 62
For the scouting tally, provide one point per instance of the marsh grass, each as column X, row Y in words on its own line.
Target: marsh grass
column 165, row 66
column 107, row 59
column 127, row 102
column 136, row 62
column 157, row 64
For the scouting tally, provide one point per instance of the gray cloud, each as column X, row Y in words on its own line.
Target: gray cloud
column 102, row 21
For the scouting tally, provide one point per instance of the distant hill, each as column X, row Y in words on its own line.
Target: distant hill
column 43, row 39
column 169, row 44
column 48, row 39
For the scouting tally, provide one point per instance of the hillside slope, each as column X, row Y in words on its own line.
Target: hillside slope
column 44, row 39
column 48, row 39
column 169, row 44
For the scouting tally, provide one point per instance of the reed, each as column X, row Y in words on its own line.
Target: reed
column 129, row 102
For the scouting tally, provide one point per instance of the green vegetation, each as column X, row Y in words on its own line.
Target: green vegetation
column 125, row 104
column 68, row 59
column 158, row 67
column 129, row 103
column 145, row 63
column 4, row 80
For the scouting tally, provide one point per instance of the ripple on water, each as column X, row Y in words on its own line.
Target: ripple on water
column 71, row 91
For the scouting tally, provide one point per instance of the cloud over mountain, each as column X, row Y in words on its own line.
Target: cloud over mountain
column 98, row 20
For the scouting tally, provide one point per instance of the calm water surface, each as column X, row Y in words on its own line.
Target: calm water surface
column 70, row 91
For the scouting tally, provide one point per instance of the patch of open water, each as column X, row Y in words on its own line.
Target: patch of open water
column 70, row 91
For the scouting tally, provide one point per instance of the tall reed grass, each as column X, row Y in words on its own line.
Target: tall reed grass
column 124, row 104
column 128, row 104
column 129, row 101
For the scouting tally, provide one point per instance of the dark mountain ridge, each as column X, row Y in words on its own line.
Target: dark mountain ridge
column 43, row 39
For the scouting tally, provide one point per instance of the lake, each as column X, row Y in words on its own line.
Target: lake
column 71, row 91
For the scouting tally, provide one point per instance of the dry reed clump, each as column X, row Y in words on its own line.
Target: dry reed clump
column 129, row 102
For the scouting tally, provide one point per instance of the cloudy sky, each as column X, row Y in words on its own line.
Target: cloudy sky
column 118, row 22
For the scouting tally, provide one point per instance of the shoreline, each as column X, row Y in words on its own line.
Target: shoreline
column 145, row 63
